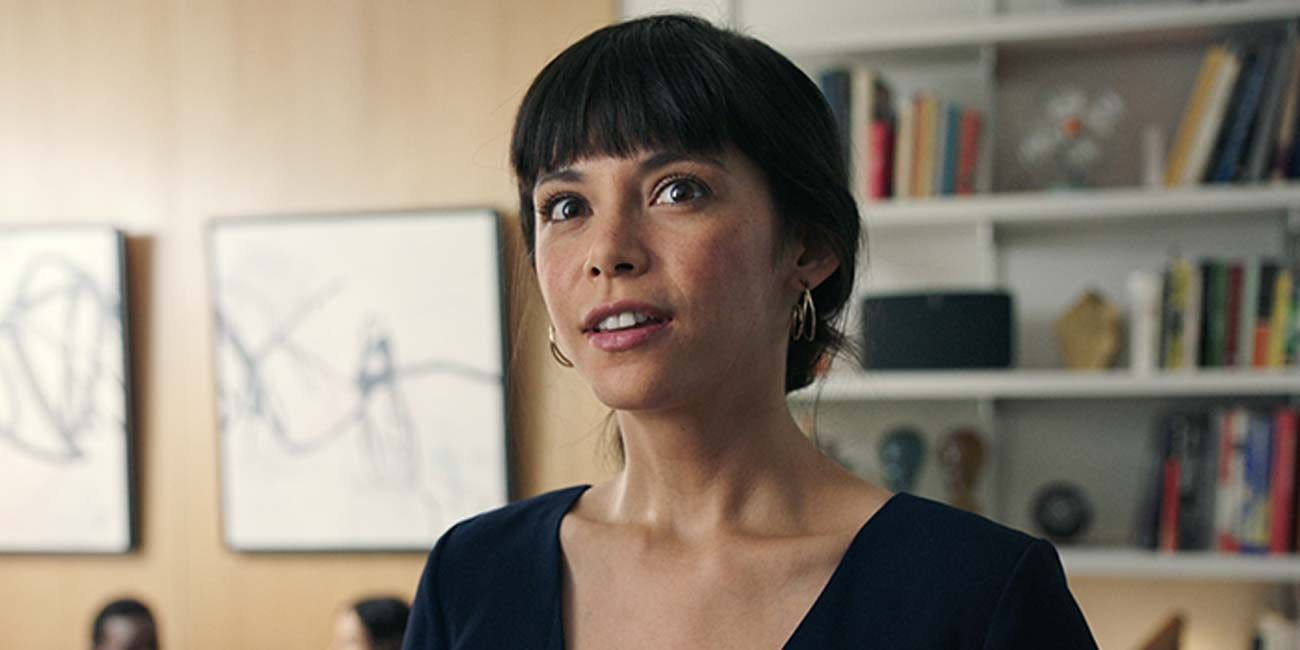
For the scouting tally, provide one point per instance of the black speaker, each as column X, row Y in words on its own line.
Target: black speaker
column 943, row 329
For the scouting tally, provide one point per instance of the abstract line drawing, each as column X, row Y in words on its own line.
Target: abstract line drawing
column 360, row 378
column 64, row 396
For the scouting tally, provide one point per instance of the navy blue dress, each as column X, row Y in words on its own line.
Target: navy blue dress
column 919, row 574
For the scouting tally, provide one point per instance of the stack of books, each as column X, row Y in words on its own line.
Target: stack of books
column 924, row 146
column 1229, row 314
column 1222, row 480
column 1241, row 121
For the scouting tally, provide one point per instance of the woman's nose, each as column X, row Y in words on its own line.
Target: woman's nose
column 617, row 248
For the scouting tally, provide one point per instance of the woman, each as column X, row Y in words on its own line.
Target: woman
column 685, row 208
column 371, row 624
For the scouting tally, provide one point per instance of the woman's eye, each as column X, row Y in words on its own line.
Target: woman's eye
column 562, row 208
column 681, row 189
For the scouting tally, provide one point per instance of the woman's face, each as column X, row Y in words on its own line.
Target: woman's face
column 685, row 240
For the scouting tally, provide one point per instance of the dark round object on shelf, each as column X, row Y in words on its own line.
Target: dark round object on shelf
column 1062, row 511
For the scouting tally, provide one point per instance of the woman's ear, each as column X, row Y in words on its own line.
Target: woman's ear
column 813, row 263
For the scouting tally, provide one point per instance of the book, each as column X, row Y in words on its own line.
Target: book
column 835, row 86
column 880, row 147
column 904, row 136
column 1147, row 527
column 951, row 144
column 923, row 154
column 1286, row 123
column 1243, row 108
column 1196, row 445
column 1261, row 149
column 1264, row 313
column 968, row 152
column 869, row 101
column 1249, row 302
column 1232, row 444
column 1176, row 287
column 1282, row 481
column 1212, row 118
column 1279, row 330
column 1255, row 515
column 941, row 132
column 1193, row 328
column 1232, row 309
column 1293, row 329
column 1187, row 127
column 1213, row 312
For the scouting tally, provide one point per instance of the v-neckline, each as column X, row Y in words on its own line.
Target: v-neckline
column 557, row 640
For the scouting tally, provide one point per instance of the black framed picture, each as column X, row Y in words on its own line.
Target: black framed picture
column 66, row 425
column 360, row 366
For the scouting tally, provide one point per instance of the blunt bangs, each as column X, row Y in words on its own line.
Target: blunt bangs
column 642, row 90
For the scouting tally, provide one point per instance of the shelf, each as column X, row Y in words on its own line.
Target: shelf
column 1073, row 207
column 1186, row 565
column 1083, row 26
column 1046, row 384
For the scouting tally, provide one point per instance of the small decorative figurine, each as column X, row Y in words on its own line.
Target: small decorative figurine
column 961, row 455
column 901, row 452
column 1089, row 333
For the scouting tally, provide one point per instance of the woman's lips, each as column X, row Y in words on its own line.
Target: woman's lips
column 626, row 339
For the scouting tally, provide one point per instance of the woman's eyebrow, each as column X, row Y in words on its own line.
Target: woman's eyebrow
column 664, row 158
column 649, row 164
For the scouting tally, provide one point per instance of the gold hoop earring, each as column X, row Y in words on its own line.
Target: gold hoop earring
column 805, row 318
column 555, row 350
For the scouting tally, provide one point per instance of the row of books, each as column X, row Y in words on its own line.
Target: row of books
column 1242, row 122
column 1229, row 314
column 1222, row 480
column 924, row 146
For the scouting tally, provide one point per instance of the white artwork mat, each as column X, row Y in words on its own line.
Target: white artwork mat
column 65, row 436
column 360, row 378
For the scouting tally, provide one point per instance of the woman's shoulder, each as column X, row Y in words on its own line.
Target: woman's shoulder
column 526, row 522
column 945, row 541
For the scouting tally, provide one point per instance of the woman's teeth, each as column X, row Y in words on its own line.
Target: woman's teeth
column 621, row 321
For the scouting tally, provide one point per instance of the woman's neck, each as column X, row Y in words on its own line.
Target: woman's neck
column 733, row 465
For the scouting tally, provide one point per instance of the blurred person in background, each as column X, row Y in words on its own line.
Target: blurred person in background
column 371, row 624
column 124, row 624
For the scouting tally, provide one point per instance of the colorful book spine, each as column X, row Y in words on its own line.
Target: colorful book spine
column 1264, row 313
column 1207, row 134
column 940, row 147
column 1187, row 127
column 903, row 147
column 1249, row 300
column 1213, row 313
column 1193, row 328
column 923, row 147
column 881, row 148
column 1232, row 320
column 835, row 86
column 1227, row 500
column 951, row 142
column 1282, row 481
column 1279, row 325
column 1261, row 150
column 968, row 155
column 1255, row 513
column 1243, row 109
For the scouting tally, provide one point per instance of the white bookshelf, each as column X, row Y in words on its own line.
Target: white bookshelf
column 1117, row 24
column 1069, row 208
column 1043, row 423
column 1183, row 565
column 1047, row 384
